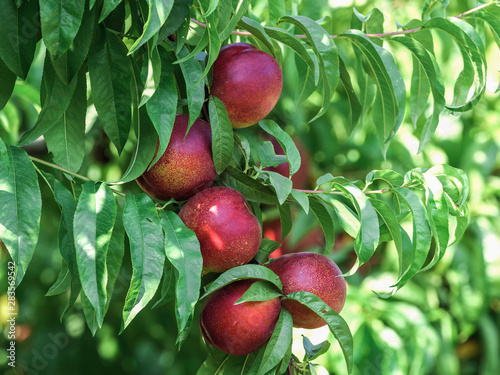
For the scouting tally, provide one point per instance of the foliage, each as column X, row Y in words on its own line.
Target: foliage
column 116, row 73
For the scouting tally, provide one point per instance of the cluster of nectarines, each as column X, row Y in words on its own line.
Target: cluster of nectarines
column 248, row 82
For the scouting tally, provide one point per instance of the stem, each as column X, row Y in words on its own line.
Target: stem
column 381, row 35
column 62, row 169
column 58, row 167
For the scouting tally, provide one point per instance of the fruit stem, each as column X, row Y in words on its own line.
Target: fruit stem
column 381, row 35
column 62, row 169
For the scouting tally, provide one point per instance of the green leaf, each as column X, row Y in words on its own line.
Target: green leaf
column 259, row 291
column 282, row 185
column 355, row 109
column 285, row 219
column 326, row 52
column 64, row 139
column 114, row 258
column 247, row 271
column 286, row 142
column 277, row 346
column 276, row 10
column 90, row 314
column 54, row 103
column 296, row 45
column 253, row 190
column 183, row 251
column 144, row 232
column 70, row 62
column 107, row 7
column 367, row 238
column 428, row 79
column 222, row 134
column 474, row 61
column 162, row 107
column 345, row 215
column 144, row 149
column 21, row 209
column 267, row 246
column 111, row 74
column 62, row 283
column 314, row 351
column 268, row 157
column 393, row 178
column 325, row 219
column 60, row 22
column 386, row 113
column 214, row 42
column 7, row 83
column 191, row 70
column 302, row 199
column 437, row 207
column 177, row 17
column 421, row 234
column 239, row 12
column 214, row 363
column 167, row 285
column 19, row 29
column 337, row 325
column 387, row 215
column 152, row 65
column 157, row 15
column 66, row 238
column 93, row 225
column 258, row 31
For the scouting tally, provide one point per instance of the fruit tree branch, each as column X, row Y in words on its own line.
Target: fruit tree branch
column 381, row 35
column 62, row 169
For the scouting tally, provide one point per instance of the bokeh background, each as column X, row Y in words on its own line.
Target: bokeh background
column 444, row 321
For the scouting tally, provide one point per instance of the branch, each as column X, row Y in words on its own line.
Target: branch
column 381, row 35
column 62, row 169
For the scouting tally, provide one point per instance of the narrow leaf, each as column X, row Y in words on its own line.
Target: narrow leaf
column 337, row 325
column 54, row 103
column 421, row 234
column 259, row 291
column 111, row 74
column 222, row 134
column 162, row 107
column 60, row 21
column 285, row 141
column 7, row 82
column 325, row 219
column 253, row 190
column 93, row 225
column 191, row 70
column 144, row 231
column 158, row 14
column 277, row 346
column 70, row 62
column 247, row 271
column 64, row 139
column 19, row 29
column 183, row 251
column 21, row 209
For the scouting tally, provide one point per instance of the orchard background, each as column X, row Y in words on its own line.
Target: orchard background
column 414, row 100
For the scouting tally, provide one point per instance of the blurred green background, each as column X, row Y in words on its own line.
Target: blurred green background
column 444, row 321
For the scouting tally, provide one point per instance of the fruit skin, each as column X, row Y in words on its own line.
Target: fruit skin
column 248, row 81
column 228, row 232
column 238, row 329
column 314, row 273
column 186, row 167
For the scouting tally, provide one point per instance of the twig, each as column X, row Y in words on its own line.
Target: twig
column 62, row 169
column 381, row 35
